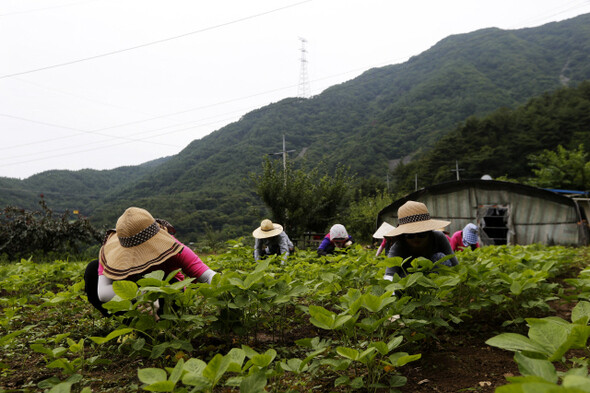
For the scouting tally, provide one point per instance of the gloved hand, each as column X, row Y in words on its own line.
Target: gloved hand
column 207, row 276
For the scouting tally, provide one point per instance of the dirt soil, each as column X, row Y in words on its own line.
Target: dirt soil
column 457, row 361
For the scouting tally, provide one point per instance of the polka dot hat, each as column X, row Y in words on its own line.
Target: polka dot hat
column 138, row 243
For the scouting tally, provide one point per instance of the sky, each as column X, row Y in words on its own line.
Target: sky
column 101, row 84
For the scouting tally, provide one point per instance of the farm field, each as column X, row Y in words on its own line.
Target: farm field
column 327, row 324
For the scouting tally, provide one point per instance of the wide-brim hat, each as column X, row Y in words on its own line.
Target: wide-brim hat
column 382, row 230
column 413, row 217
column 267, row 229
column 138, row 243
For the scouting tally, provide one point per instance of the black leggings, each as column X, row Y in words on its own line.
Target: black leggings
column 91, row 288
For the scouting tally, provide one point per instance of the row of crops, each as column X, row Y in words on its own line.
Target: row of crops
column 310, row 324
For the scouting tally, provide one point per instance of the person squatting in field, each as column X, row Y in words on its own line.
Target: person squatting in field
column 336, row 238
column 271, row 240
column 386, row 241
column 467, row 237
column 140, row 244
column 416, row 236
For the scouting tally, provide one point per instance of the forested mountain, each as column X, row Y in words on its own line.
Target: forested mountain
column 501, row 143
column 368, row 124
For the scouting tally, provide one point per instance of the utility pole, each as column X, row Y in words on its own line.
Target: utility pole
column 457, row 169
column 416, row 182
column 284, row 153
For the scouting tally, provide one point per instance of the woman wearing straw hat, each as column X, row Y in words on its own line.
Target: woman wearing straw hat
column 467, row 237
column 386, row 241
column 338, row 237
column 417, row 236
column 139, row 244
column 271, row 240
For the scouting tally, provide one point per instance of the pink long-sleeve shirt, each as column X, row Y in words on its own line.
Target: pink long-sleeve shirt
column 186, row 259
column 457, row 241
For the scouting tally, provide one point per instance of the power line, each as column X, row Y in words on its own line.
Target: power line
column 155, row 42
column 81, row 131
column 153, row 118
column 44, row 141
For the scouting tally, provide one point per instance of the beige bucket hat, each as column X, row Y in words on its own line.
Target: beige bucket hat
column 267, row 229
column 138, row 243
column 382, row 230
column 413, row 217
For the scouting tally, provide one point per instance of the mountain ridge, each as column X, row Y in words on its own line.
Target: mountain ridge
column 383, row 115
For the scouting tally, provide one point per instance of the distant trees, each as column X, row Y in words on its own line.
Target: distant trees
column 25, row 233
column 361, row 220
column 501, row 143
column 302, row 200
column 562, row 168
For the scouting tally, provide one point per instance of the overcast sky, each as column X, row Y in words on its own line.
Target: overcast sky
column 104, row 83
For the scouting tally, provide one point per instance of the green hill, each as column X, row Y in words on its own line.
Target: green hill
column 368, row 124
column 499, row 144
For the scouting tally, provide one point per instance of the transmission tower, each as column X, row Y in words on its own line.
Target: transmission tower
column 303, row 89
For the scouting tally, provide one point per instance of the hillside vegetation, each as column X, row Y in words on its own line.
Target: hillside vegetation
column 367, row 124
column 501, row 143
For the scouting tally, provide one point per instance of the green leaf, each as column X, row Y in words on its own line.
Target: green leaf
column 151, row 375
column 42, row 349
column 199, row 382
column 394, row 342
column 376, row 303
column 162, row 386
column 405, row 359
column 117, row 305
column 581, row 313
column 254, row 383
column 195, row 366
column 150, row 282
column 111, row 335
column 158, row 350
column 553, row 334
column 380, row 346
column 264, row 360
column 261, row 266
column 157, row 274
column 357, row 383
column 126, row 290
column 349, row 353
column 251, row 279
column 537, row 367
column 516, row 288
column 294, row 365
column 321, row 317
column 516, row 342
column 63, row 387
column 64, row 364
column 7, row 338
column 235, row 357
column 176, row 373
column 215, row 369
column 577, row 382
column 397, row 381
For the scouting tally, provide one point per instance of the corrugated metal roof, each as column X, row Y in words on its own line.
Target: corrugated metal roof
column 528, row 214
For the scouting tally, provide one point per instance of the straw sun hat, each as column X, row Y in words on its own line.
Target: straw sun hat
column 267, row 229
column 383, row 230
column 137, row 244
column 413, row 217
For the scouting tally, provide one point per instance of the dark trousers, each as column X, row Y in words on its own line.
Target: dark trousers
column 91, row 288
